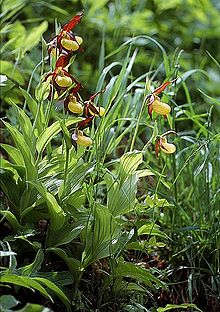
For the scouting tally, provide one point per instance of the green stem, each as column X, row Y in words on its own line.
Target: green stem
column 66, row 166
column 137, row 126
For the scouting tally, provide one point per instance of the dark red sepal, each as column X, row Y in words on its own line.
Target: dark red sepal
column 63, row 60
column 150, row 110
column 92, row 108
column 92, row 97
column 163, row 86
column 157, row 147
column 85, row 123
column 73, row 22
column 47, row 76
column 75, row 89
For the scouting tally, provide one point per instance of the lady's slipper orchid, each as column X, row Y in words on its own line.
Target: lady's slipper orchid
column 72, row 102
column 90, row 109
column 61, row 79
column 166, row 147
column 163, row 145
column 96, row 110
column 66, row 41
column 79, row 138
column 71, row 42
column 154, row 103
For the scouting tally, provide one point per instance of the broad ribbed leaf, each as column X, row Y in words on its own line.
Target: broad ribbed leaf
column 34, row 37
column 74, row 179
column 138, row 273
column 34, row 266
column 24, row 281
column 11, row 219
column 74, row 265
column 67, row 234
column 101, row 237
column 178, row 306
column 56, row 213
column 48, row 134
column 151, row 229
column 13, row 153
column 23, row 147
column 54, row 288
column 26, row 127
column 129, row 163
column 121, row 197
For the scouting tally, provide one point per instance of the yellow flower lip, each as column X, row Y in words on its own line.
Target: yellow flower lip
column 160, row 107
column 63, row 81
column 167, row 148
column 75, row 107
column 69, row 44
column 83, row 140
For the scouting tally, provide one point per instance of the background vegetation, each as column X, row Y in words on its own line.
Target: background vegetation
column 112, row 228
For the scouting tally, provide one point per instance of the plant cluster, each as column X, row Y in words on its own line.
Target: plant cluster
column 79, row 230
column 63, row 46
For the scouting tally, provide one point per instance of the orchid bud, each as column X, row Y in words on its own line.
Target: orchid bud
column 160, row 107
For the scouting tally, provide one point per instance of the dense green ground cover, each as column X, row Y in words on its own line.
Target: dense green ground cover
column 111, row 227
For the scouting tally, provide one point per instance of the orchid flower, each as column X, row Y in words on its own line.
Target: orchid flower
column 61, row 79
column 163, row 145
column 155, row 104
column 66, row 42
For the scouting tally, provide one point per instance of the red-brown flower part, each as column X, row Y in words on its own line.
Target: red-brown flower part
column 90, row 109
column 61, row 78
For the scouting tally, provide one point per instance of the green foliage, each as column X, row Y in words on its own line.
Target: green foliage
column 84, row 227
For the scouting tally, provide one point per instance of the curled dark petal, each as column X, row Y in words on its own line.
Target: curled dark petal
column 92, row 97
column 76, row 89
column 86, row 111
column 66, row 102
column 68, row 75
column 47, row 76
column 92, row 108
column 163, row 86
column 85, row 123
